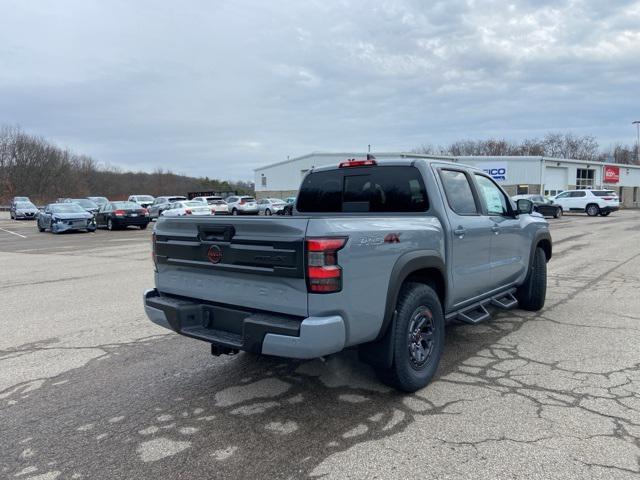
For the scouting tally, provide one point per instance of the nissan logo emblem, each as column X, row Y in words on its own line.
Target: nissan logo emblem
column 214, row 254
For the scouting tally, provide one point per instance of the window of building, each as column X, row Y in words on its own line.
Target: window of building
column 552, row 193
column 263, row 180
column 522, row 190
column 584, row 178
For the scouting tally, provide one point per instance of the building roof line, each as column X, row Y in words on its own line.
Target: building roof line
column 352, row 154
column 451, row 158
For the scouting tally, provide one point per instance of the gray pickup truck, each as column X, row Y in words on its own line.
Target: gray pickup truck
column 375, row 255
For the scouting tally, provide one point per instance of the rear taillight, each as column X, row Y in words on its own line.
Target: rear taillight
column 241, row 202
column 213, row 211
column 119, row 213
column 187, row 211
column 153, row 251
column 145, row 212
column 324, row 275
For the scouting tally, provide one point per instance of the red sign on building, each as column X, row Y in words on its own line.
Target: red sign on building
column 611, row 174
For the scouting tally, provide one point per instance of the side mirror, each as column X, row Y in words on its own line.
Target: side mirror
column 524, row 206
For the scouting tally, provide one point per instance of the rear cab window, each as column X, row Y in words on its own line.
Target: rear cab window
column 366, row 189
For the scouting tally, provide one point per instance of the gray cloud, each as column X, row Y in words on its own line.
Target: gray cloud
column 219, row 89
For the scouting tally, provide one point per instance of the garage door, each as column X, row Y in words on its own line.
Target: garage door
column 555, row 178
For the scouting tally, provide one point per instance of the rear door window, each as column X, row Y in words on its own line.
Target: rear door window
column 458, row 192
column 364, row 189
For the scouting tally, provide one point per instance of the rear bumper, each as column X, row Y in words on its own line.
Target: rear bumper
column 252, row 331
column 609, row 209
column 131, row 221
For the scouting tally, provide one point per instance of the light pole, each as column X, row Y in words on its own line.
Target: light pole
column 637, row 124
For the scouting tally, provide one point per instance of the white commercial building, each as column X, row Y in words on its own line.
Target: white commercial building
column 518, row 175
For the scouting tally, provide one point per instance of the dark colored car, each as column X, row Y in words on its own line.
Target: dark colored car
column 115, row 215
column 100, row 201
column 541, row 205
column 62, row 217
column 26, row 210
column 85, row 203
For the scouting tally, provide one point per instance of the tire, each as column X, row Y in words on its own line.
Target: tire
column 267, row 212
column 415, row 362
column 605, row 214
column 234, row 212
column 531, row 294
column 558, row 213
column 40, row 229
column 144, row 227
column 110, row 226
column 592, row 210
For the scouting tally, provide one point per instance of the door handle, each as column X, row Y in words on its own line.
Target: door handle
column 495, row 229
column 460, row 231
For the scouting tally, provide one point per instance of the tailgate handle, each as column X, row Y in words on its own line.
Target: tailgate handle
column 216, row 233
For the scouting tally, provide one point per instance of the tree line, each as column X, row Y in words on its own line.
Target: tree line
column 553, row 144
column 32, row 166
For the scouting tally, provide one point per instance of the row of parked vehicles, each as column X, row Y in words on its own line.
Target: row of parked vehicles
column 591, row 202
column 91, row 213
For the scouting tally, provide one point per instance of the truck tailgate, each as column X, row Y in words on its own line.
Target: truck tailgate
column 251, row 262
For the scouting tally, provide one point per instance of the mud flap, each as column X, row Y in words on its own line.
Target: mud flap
column 379, row 354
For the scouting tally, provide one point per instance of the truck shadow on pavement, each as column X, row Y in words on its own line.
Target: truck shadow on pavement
column 163, row 408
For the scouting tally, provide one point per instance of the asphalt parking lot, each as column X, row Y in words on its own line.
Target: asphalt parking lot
column 89, row 388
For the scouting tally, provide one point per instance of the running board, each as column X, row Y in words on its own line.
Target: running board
column 474, row 315
column 505, row 302
column 477, row 312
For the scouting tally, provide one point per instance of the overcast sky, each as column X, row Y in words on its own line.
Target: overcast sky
column 220, row 88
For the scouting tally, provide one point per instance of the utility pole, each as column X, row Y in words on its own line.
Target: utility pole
column 637, row 124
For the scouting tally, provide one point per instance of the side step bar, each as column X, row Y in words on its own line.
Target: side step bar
column 474, row 315
column 477, row 312
column 505, row 302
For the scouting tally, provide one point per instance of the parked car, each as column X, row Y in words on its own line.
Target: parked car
column 239, row 205
column 62, row 217
column 217, row 204
column 185, row 208
column 23, row 209
column 592, row 202
column 162, row 203
column 85, row 203
column 116, row 215
column 542, row 205
column 144, row 200
column 287, row 210
column 269, row 206
column 15, row 200
column 100, row 201
column 381, row 257
column 290, row 200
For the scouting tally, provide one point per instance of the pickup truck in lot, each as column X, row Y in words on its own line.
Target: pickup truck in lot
column 375, row 255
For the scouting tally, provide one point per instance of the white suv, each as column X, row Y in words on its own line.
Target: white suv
column 593, row 202
column 239, row 205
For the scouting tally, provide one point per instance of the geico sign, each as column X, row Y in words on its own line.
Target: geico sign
column 499, row 173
